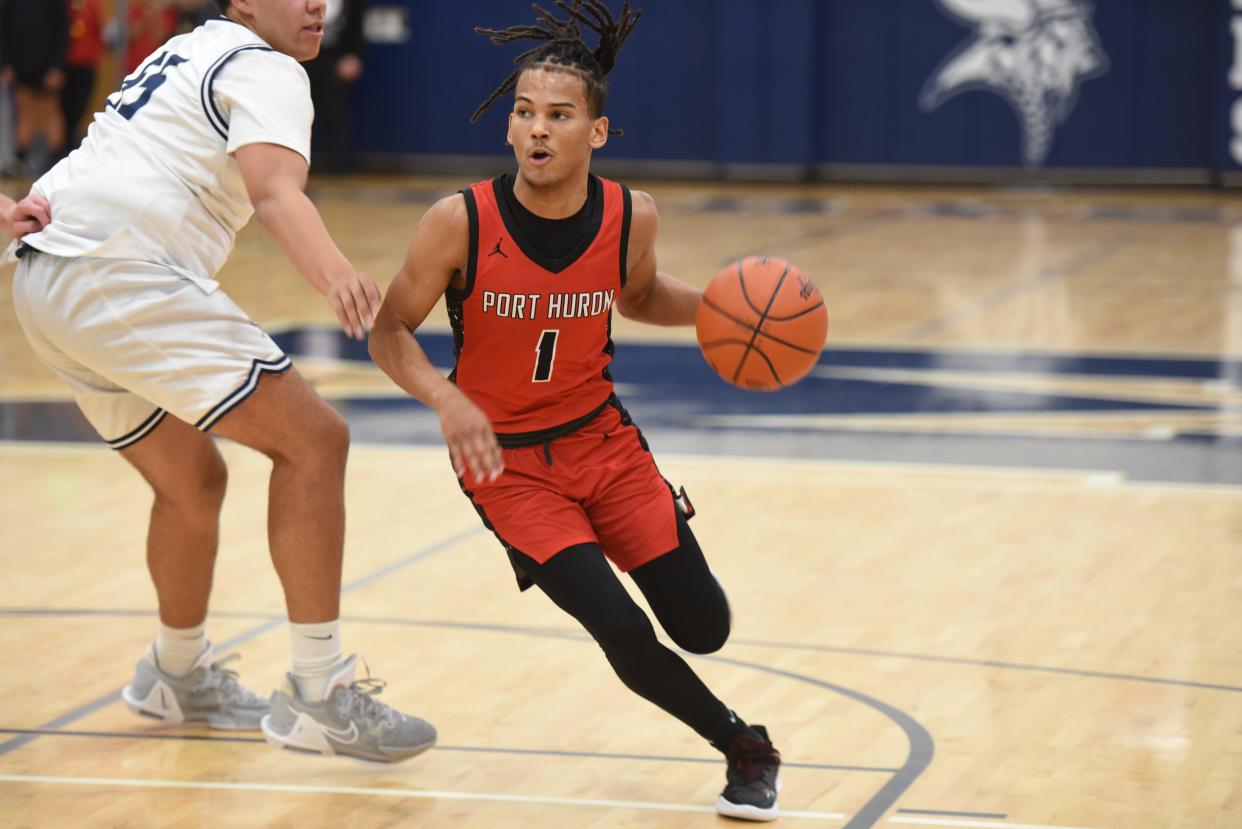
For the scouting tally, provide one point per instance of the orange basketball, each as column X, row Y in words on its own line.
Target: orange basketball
column 762, row 323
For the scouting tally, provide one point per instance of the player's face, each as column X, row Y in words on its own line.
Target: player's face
column 551, row 128
column 294, row 27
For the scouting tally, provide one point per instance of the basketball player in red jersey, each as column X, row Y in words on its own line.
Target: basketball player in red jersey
column 531, row 265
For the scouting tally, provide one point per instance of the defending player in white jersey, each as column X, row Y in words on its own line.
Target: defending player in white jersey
column 117, row 295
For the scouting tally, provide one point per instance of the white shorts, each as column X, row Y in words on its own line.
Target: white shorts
column 135, row 340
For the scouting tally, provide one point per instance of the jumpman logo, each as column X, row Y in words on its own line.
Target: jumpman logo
column 497, row 249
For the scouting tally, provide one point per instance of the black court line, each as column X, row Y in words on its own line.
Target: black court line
column 949, row 813
column 990, row 663
column 130, row 735
column 918, row 758
column 538, row 752
column 245, row 636
column 569, row 633
column 1090, row 256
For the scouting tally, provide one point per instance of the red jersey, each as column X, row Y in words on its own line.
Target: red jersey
column 532, row 336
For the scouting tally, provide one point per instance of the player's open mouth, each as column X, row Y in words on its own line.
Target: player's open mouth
column 539, row 156
column 316, row 29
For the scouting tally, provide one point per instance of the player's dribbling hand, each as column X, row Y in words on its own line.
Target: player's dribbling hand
column 29, row 215
column 471, row 442
column 356, row 300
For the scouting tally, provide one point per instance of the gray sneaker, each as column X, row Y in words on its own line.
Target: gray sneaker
column 209, row 692
column 350, row 722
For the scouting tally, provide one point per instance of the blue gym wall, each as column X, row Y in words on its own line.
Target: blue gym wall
column 810, row 87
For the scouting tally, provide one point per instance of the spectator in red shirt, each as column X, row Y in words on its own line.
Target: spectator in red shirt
column 151, row 23
column 86, row 48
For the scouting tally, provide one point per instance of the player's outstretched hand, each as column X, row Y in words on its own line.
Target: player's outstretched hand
column 356, row 300
column 29, row 215
column 471, row 442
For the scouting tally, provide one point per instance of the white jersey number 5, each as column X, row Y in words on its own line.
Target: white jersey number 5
column 148, row 80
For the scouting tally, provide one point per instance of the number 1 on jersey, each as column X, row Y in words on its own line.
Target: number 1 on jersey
column 545, row 354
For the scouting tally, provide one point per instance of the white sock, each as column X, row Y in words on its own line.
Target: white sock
column 177, row 649
column 316, row 653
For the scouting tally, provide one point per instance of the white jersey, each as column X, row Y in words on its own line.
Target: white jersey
column 155, row 180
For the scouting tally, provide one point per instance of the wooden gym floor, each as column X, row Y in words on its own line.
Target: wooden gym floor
column 985, row 563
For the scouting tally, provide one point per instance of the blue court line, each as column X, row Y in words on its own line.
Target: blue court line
column 245, row 636
column 680, row 363
column 414, row 558
column 538, row 752
column 990, row 300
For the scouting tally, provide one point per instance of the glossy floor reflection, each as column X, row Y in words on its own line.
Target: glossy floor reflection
column 983, row 561
column 1143, row 418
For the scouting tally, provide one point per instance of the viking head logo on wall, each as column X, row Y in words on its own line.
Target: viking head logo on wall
column 1034, row 53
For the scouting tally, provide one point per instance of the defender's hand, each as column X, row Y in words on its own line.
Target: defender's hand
column 356, row 300
column 471, row 442
column 29, row 215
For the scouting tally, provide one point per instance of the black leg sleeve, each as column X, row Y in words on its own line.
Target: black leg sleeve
column 580, row 582
column 686, row 597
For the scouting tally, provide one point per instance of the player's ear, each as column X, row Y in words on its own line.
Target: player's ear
column 509, row 131
column 599, row 132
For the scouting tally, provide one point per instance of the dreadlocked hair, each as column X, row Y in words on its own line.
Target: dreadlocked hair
column 564, row 50
column 223, row 5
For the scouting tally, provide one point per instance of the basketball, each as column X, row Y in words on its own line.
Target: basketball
column 761, row 324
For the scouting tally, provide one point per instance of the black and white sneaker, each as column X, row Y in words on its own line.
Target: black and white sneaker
column 753, row 777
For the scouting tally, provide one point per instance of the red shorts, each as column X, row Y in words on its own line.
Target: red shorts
column 596, row 485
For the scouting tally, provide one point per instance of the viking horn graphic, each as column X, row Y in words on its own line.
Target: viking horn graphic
column 1013, row 15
